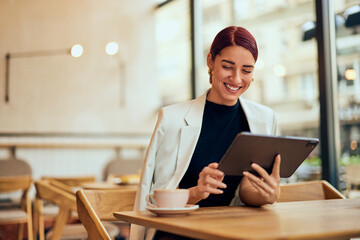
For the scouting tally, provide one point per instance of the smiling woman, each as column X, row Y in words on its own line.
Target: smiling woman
column 190, row 138
column 231, row 63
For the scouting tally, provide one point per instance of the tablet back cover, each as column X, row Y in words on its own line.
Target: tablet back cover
column 262, row 149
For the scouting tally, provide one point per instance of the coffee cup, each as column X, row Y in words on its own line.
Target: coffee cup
column 168, row 198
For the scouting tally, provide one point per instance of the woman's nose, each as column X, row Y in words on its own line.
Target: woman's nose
column 236, row 78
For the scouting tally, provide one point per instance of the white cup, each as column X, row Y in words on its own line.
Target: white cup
column 168, row 198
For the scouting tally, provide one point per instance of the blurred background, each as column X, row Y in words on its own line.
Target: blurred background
column 82, row 81
column 81, row 84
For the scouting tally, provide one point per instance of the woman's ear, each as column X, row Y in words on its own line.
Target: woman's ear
column 209, row 61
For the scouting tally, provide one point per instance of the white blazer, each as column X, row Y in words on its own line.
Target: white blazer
column 173, row 143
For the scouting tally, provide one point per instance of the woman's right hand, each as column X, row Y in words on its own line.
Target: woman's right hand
column 209, row 182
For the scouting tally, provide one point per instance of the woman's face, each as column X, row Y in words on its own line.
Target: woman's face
column 232, row 74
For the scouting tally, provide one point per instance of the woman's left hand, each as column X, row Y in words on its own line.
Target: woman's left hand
column 267, row 186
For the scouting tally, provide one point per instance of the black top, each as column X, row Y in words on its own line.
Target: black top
column 220, row 125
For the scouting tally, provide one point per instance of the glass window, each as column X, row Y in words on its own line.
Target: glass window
column 173, row 49
column 286, row 71
column 347, row 15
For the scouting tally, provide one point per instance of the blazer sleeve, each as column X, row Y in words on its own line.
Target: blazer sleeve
column 147, row 173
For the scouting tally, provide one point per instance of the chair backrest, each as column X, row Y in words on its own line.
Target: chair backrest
column 71, row 181
column 19, row 183
column 305, row 191
column 46, row 190
column 352, row 174
column 94, row 206
column 62, row 186
column 14, row 167
column 15, row 183
column 57, row 193
column 123, row 167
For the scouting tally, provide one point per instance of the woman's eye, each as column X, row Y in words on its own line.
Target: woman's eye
column 226, row 67
column 246, row 71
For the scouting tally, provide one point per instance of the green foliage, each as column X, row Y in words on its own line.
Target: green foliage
column 313, row 161
column 349, row 160
column 355, row 159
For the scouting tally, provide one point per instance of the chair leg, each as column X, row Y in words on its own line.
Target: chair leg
column 60, row 222
column 21, row 231
column 29, row 219
column 38, row 219
column 69, row 216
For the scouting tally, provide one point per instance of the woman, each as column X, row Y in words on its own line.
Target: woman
column 190, row 138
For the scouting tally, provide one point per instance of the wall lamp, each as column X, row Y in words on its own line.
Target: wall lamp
column 75, row 51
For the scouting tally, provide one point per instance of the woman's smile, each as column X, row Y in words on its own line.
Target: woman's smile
column 231, row 88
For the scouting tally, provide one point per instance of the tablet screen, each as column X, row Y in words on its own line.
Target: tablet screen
column 262, row 149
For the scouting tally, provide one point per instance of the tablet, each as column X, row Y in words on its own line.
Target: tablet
column 250, row 148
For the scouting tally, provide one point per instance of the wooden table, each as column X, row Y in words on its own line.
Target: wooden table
column 107, row 185
column 324, row 219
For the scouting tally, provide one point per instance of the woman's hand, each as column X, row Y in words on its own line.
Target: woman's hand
column 210, row 180
column 264, row 189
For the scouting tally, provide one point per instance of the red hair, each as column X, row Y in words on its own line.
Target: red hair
column 234, row 36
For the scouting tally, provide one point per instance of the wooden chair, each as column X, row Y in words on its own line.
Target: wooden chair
column 64, row 199
column 63, row 196
column 22, row 215
column 121, row 167
column 14, row 167
column 95, row 206
column 305, row 191
column 352, row 179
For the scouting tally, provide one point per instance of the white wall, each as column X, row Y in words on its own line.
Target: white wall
column 65, row 94
column 62, row 94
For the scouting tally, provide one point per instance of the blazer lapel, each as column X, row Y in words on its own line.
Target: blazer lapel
column 189, row 136
column 256, row 125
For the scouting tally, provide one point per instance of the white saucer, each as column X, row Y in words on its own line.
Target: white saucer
column 172, row 212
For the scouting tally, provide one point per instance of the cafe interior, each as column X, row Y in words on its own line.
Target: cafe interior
column 82, row 83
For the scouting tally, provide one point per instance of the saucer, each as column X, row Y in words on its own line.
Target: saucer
column 172, row 212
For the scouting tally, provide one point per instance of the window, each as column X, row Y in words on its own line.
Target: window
column 286, row 71
column 348, row 66
column 173, row 49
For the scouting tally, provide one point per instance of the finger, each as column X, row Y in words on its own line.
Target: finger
column 258, row 188
column 213, row 182
column 261, row 171
column 276, row 167
column 206, row 186
column 221, row 178
column 259, row 182
column 211, row 171
column 212, row 190
column 213, row 165
column 264, row 174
